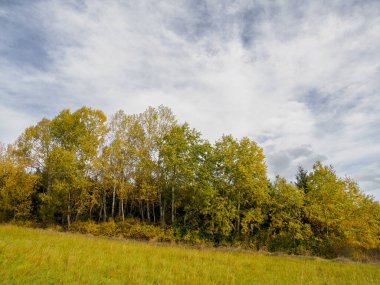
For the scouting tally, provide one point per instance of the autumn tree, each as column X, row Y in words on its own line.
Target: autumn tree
column 16, row 187
column 241, row 173
column 179, row 158
column 156, row 123
column 287, row 229
column 78, row 167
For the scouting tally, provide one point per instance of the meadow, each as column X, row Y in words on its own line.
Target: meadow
column 36, row 256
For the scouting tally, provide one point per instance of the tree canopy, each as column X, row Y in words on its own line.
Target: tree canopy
column 80, row 166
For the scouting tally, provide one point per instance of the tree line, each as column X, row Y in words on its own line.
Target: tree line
column 80, row 167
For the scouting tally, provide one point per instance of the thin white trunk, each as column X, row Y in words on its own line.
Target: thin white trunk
column 113, row 200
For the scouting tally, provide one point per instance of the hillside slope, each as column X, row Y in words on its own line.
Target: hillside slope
column 32, row 256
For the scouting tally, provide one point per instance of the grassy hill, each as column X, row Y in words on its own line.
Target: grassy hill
column 33, row 256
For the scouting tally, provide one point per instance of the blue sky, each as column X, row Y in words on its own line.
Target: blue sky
column 302, row 78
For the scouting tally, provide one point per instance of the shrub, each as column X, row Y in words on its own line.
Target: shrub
column 166, row 235
column 192, row 237
column 130, row 228
column 89, row 227
column 144, row 232
column 108, row 228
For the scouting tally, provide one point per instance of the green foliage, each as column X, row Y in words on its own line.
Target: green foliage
column 242, row 179
column 287, row 230
column 130, row 228
column 16, row 190
column 89, row 227
column 301, row 179
column 339, row 214
column 147, row 232
column 108, row 229
column 145, row 176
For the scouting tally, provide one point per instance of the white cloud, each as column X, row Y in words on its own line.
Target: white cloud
column 302, row 80
column 12, row 123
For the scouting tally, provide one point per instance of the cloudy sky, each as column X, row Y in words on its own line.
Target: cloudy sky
column 302, row 78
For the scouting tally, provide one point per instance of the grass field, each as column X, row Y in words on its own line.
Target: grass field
column 32, row 256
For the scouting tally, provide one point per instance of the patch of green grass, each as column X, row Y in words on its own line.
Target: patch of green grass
column 33, row 256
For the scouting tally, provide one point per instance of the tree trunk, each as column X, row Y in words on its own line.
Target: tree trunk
column 77, row 216
column 100, row 212
column 154, row 214
column 91, row 211
column 113, row 200
column 131, row 209
column 122, row 209
column 238, row 221
column 126, row 205
column 69, row 213
column 68, row 218
column 162, row 213
column 173, row 198
column 147, row 210
column 141, row 210
column 105, row 207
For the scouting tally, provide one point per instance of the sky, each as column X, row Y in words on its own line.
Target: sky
column 301, row 78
